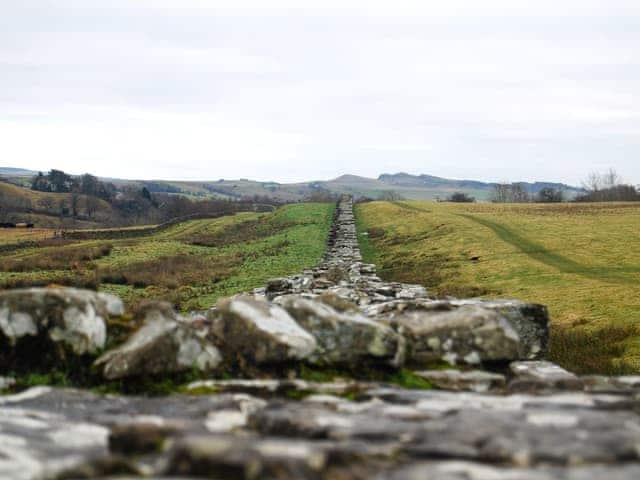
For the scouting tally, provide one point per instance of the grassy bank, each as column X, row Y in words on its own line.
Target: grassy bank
column 582, row 260
column 191, row 264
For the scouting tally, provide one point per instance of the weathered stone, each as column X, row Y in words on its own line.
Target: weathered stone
column 71, row 317
column 340, row 304
column 163, row 344
column 530, row 437
column 344, row 338
column 272, row 387
column 261, row 332
column 469, row 334
column 411, row 292
column 530, row 321
column 603, row 384
column 245, row 458
column 100, row 467
column 537, row 375
column 456, row 380
column 134, row 438
column 465, row 470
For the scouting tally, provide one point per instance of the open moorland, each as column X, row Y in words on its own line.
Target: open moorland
column 191, row 264
column 581, row 260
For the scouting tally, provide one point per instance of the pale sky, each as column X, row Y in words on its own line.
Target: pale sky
column 500, row 90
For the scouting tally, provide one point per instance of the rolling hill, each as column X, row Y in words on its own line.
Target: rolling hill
column 404, row 185
column 410, row 187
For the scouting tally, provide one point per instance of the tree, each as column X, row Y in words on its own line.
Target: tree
column 89, row 185
column 75, row 204
column 63, row 208
column 550, row 195
column 145, row 193
column 519, row 194
column 40, row 183
column 460, row 197
column 54, row 181
column 500, row 193
column 607, row 187
column 92, row 204
column 509, row 193
column 60, row 181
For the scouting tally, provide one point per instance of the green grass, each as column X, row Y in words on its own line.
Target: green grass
column 581, row 260
column 168, row 265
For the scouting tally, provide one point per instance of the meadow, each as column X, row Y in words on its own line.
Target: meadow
column 191, row 264
column 581, row 260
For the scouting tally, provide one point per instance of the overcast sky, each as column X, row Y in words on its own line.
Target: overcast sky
column 186, row 89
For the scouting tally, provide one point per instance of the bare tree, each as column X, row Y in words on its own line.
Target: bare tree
column 92, row 204
column 75, row 204
column 518, row 194
column 607, row 187
column 500, row 193
column 63, row 208
column 592, row 183
column 611, row 178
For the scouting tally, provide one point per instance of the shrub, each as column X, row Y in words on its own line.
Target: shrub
column 460, row 197
column 172, row 271
column 64, row 259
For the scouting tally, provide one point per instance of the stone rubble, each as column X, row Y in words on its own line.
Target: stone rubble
column 499, row 411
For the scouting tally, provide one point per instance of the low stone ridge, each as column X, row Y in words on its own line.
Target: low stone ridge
column 496, row 408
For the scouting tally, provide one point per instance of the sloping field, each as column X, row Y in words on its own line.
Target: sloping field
column 191, row 264
column 43, row 208
column 16, row 235
column 582, row 260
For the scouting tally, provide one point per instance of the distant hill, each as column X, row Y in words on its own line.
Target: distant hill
column 17, row 172
column 436, row 186
column 405, row 185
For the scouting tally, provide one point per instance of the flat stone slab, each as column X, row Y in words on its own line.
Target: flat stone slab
column 393, row 433
column 542, row 374
column 472, row 380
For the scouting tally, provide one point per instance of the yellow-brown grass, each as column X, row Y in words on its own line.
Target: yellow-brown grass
column 582, row 260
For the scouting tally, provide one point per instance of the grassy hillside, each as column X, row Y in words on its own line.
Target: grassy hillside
column 191, row 264
column 43, row 208
column 582, row 260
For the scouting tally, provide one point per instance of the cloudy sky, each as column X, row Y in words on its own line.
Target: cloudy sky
column 492, row 90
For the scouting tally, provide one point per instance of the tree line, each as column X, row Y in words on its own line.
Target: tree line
column 597, row 187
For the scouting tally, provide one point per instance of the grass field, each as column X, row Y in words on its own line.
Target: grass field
column 191, row 264
column 581, row 260
column 17, row 235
